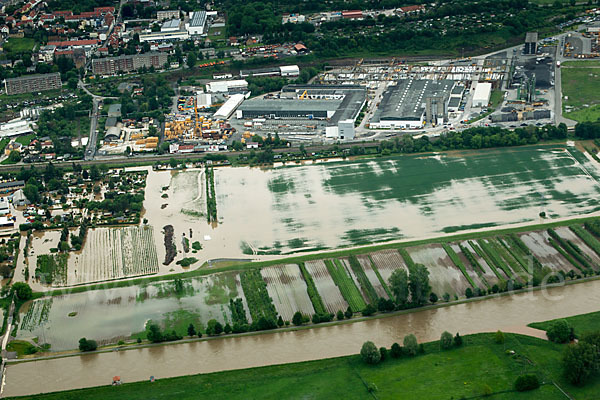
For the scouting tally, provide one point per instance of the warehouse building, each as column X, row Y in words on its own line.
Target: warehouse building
column 32, row 83
column 233, row 86
column 227, row 109
column 114, row 65
column 284, row 70
column 339, row 105
column 481, row 97
column 170, row 25
column 413, row 102
column 197, row 23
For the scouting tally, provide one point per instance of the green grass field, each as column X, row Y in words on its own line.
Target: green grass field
column 18, row 45
column 582, row 324
column 581, row 85
column 479, row 366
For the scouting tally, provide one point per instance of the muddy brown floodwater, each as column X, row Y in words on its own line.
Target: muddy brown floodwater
column 510, row 313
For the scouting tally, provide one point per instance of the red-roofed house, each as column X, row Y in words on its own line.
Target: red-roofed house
column 411, row 9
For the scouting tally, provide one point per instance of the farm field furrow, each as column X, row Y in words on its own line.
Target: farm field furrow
column 330, row 293
column 567, row 234
column 365, row 263
column 547, row 255
column 113, row 253
column 288, row 290
column 488, row 273
column 469, row 268
column 444, row 276
column 387, row 261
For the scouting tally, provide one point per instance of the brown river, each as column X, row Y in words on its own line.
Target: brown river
column 510, row 313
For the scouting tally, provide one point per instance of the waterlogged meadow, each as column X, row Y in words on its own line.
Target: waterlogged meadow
column 261, row 296
column 331, row 205
column 113, row 314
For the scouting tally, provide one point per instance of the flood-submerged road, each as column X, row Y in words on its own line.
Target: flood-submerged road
column 509, row 313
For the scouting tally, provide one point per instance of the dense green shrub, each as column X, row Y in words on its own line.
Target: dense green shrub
column 527, row 382
column 446, row 340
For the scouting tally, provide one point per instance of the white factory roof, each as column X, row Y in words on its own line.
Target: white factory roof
column 224, row 86
column 230, row 106
column 15, row 127
column 482, row 92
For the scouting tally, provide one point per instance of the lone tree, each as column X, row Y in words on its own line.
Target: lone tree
column 191, row 330
column 446, row 340
column 22, row 291
column 370, row 353
column 399, row 286
column 560, row 331
column 418, row 283
column 410, row 345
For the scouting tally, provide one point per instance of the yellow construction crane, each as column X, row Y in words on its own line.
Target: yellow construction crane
column 303, row 95
column 198, row 129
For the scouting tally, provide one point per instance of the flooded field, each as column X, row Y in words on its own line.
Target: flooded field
column 509, row 314
column 292, row 209
column 114, row 314
column 456, row 270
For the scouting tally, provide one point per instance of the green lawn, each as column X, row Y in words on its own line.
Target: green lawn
column 583, row 323
column 465, row 372
column 18, row 45
column 25, row 140
column 581, row 85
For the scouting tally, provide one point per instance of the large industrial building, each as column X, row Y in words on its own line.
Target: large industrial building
column 411, row 103
column 113, row 65
column 197, row 23
column 32, row 83
column 339, row 105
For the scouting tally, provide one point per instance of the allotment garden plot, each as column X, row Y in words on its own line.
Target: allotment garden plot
column 331, row 205
column 113, row 253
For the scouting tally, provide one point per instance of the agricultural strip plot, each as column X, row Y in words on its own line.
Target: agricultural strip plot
column 257, row 296
column 569, row 235
column 288, row 290
column 361, row 280
column 479, row 262
column 471, row 270
column 378, row 284
column 587, row 237
column 344, row 281
column 386, row 262
column 114, row 253
column 330, row 293
column 444, row 276
column 547, row 255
